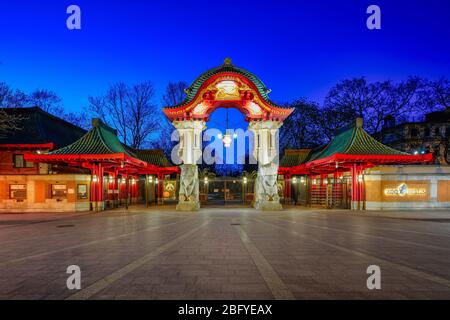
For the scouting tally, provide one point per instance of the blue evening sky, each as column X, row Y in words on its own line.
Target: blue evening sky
column 298, row 48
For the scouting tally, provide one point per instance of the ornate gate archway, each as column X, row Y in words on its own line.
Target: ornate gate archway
column 228, row 86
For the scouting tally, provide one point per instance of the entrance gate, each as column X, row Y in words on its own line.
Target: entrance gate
column 227, row 191
column 228, row 86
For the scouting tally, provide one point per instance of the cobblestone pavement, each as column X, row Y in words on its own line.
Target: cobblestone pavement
column 226, row 253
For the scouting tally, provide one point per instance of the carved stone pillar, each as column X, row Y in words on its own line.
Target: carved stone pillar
column 189, row 153
column 265, row 151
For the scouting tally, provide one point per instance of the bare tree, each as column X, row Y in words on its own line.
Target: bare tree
column 47, row 100
column 436, row 94
column 372, row 101
column 10, row 98
column 302, row 129
column 144, row 114
column 175, row 93
column 130, row 110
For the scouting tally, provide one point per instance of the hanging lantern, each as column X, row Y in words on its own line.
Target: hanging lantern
column 94, row 178
column 227, row 140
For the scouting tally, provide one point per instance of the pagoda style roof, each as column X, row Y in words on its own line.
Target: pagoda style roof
column 227, row 86
column 293, row 157
column 352, row 145
column 101, row 145
column 226, row 67
column 155, row 157
column 40, row 129
column 354, row 140
column 101, row 139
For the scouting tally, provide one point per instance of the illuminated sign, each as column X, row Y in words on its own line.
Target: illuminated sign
column 403, row 190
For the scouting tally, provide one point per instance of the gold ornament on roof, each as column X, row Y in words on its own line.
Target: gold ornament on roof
column 227, row 61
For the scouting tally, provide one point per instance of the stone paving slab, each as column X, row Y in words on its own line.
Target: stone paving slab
column 230, row 254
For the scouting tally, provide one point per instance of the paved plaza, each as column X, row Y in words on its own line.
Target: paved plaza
column 225, row 253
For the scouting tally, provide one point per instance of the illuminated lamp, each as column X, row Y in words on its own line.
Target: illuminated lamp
column 111, row 179
column 302, row 180
column 133, row 181
column 244, row 180
column 94, row 178
column 360, row 178
column 150, row 179
column 205, row 180
column 156, row 180
column 294, row 180
column 227, row 140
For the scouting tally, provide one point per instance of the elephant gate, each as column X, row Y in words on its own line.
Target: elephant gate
column 228, row 86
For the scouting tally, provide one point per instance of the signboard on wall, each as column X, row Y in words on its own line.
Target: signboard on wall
column 18, row 191
column 406, row 191
column 170, row 188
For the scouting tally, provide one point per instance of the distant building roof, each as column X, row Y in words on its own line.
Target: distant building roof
column 40, row 127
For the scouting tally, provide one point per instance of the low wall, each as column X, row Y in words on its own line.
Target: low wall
column 407, row 187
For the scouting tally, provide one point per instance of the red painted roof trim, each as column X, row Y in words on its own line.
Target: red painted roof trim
column 47, row 146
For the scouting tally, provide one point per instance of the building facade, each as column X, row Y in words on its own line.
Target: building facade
column 355, row 171
column 52, row 165
column 49, row 164
column 430, row 136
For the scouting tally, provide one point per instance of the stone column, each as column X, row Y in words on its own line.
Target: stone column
column 265, row 151
column 190, row 153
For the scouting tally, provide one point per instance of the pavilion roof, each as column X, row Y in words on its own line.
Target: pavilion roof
column 351, row 145
column 101, row 139
column 294, row 157
column 354, row 140
column 155, row 157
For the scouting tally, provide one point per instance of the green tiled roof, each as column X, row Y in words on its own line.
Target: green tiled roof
column 101, row 139
column 293, row 158
column 155, row 157
column 354, row 140
column 229, row 68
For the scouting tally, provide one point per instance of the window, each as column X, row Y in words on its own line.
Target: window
column 18, row 191
column 414, row 132
column 82, row 191
column 427, row 132
column 437, row 131
column 19, row 162
column 59, row 191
